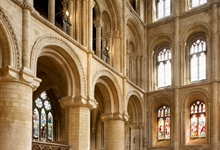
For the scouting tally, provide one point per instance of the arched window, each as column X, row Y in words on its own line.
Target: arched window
column 42, row 119
column 164, row 68
column 198, row 120
column 163, row 123
column 196, row 3
column 198, row 60
column 163, row 8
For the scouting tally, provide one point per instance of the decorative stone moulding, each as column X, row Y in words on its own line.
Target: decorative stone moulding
column 25, row 75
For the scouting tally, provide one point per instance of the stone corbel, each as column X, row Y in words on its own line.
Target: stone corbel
column 77, row 101
column 28, row 76
column 8, row 73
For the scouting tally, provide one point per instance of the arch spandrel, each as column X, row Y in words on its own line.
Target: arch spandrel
column 9, row 43
column 63, row 54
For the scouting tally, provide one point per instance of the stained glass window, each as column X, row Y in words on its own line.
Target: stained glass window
column 198, row 60
column 163, row 8
column 196, row 3
column 163, row 123
column 198, row 120
column 164, row 68
column 42, row 119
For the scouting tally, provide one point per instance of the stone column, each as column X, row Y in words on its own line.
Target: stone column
column 26, row 33
column 77, row 121
column 51, row 11
column 113, row 132
column 16, row 90
column 116, row 51
column 72, row 18
column 78, row 20
column 214, row 138
column 98, row 24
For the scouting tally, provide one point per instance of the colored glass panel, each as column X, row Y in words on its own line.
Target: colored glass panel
column 43, row 125
column 198, row 120
column 50, row 126
column 163, row 124
column 42, row 119
column 35, row 124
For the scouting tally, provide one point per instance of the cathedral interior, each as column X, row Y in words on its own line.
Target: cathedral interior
column 109, row 74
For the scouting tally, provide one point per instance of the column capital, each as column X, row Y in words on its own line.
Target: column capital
column 24, row 75
column 98, row 23
column 115, row 116
column 77, row 101
column 136, row 125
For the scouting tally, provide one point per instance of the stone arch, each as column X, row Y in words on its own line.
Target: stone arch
column 135, row 102
column 200, row 30
column 107, row 22
column 9, row 49
column 195, row 28
column 160, row 41
column 67, row 60
column 134, row 26
column 114, row 8
column 155, row 103
column 109, row 86
column 187, row 98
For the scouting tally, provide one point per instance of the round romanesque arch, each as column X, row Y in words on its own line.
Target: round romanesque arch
column 188, row 97
column 65, row 60
column 109, row 87
column 135, row 106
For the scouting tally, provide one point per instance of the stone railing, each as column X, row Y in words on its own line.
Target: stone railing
column 36, row 145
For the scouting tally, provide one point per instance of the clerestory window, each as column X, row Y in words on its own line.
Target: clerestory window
column 164, row 68
column 196, row 3
column 163, row 123
column 198, row 120
column 42, row 119
column 198, row 60
column 163, row 8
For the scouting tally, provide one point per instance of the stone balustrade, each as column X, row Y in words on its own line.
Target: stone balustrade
column 36, row 145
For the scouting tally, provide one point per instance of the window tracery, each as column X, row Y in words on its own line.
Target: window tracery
column 196, row 3
column 198, row 60
column 42, row 119
column 163, row 123
column 164, row 68
column 163, row 8
column 198, row 120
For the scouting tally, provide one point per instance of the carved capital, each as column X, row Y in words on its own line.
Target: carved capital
column 114, row 116
column 25, row 75
column 77, row 101
column 98, row 23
